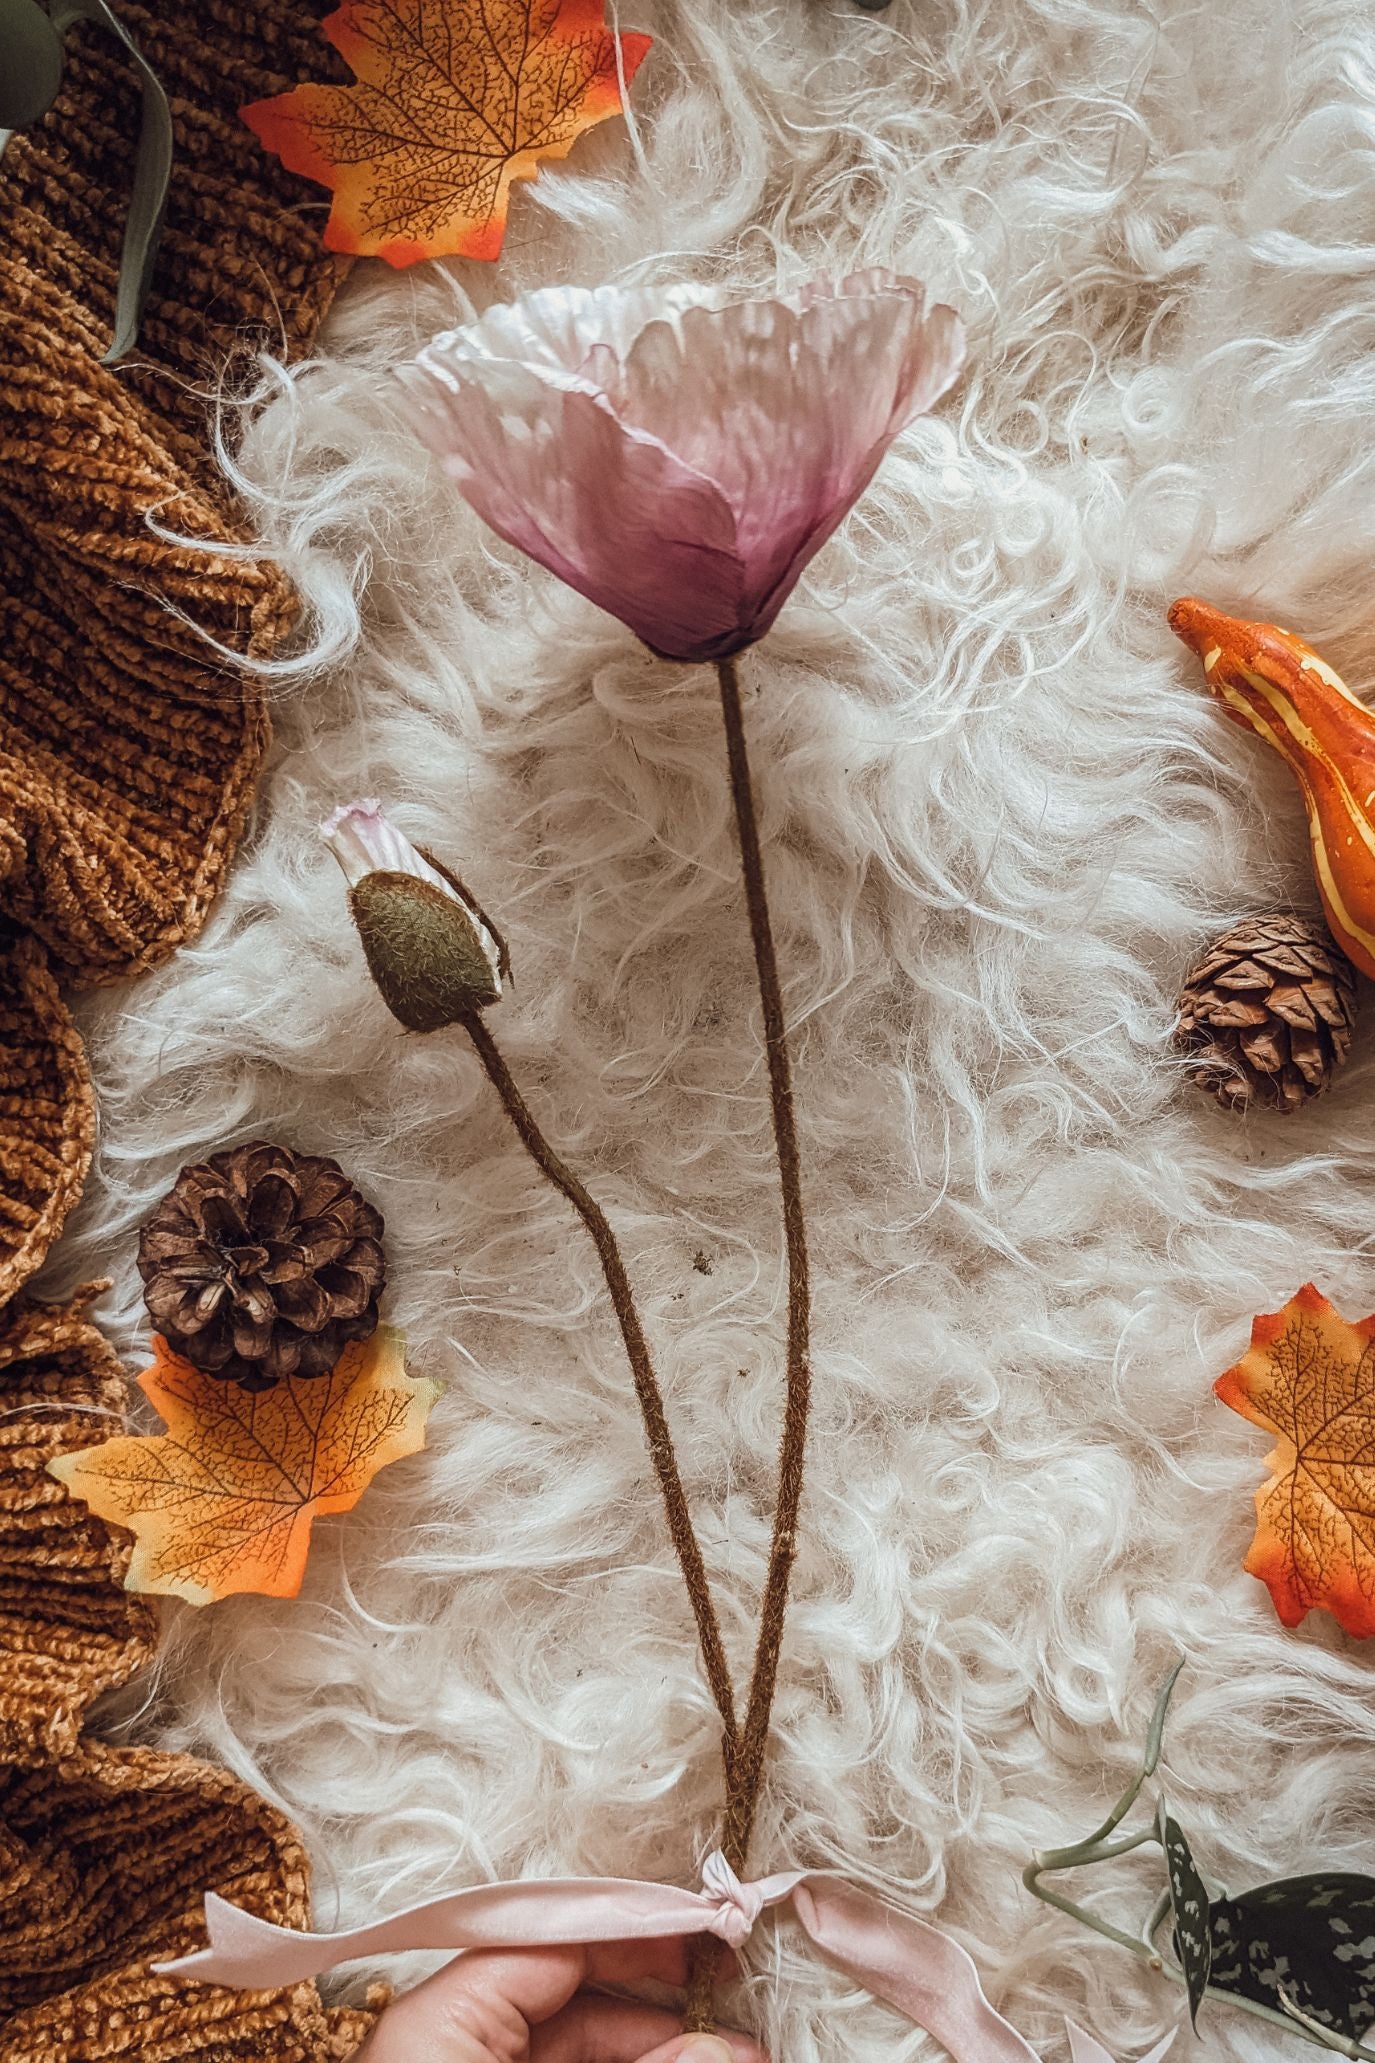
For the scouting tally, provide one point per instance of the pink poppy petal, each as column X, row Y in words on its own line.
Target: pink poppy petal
column 790, row 408
column 837, row 364
column 931, row 370
column 676, row 459
column 551, row 328
column 608, row 509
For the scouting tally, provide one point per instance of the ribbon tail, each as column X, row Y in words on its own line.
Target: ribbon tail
column 1084, row 2049
column 261, row 1956
column 911, row 1966
column 1156, row 2055
column 531, row 1913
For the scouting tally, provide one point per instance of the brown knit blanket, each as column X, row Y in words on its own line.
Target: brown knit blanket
column 128, row 753
column 105, row 1851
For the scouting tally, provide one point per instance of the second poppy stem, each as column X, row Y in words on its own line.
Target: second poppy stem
column 561, row 1176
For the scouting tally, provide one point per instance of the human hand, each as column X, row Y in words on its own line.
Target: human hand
column 538, row 2005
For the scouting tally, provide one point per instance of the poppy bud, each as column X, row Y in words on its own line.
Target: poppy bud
column 429, row 948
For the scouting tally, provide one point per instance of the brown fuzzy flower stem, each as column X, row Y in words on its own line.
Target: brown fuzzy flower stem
column 792, row 1449
column 745, row 1768
column 557, row 1172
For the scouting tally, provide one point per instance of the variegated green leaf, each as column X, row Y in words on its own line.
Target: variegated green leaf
column 1189, row 1904
column 1310, row 1938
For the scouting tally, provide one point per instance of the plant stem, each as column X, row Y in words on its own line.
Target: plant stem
column 557, row 1172
column 1146, row 1950
column 743, row 1778
column 1070, row 1857
column 744, row 1783
column 1325, row 2037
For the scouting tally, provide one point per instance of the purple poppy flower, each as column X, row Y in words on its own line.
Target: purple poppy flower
column 676, row 458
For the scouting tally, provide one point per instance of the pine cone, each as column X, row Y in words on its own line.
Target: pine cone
column 1266, row 1015
column 261, row 1263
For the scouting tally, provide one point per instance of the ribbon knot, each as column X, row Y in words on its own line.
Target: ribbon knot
column 898, row 1957
column 740, row 1904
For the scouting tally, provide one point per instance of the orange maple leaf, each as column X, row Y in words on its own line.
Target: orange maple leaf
column 223, row 1501
column 454, row 100
column 1310, row 1377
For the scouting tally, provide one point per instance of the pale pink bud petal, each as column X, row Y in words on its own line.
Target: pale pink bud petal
column 365, row 841
column 676, row 459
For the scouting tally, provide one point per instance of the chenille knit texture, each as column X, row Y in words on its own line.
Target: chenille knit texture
column 128, row 752
column 104, row 1849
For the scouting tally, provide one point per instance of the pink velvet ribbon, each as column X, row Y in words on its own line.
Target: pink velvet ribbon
column 908, row 1964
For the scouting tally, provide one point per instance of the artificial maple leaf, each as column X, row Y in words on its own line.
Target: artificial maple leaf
column 1310, row 1377
column 454, row 100
column 223, row 1501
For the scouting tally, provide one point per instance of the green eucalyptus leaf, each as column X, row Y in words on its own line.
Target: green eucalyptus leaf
column 152, row 177
column 30, row 63
column 1189, row 1906
column 1310, row 1937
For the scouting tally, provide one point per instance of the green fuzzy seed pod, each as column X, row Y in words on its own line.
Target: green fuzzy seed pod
column 423, row 950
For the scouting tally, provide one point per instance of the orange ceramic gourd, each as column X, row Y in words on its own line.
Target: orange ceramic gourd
column 1277, row 686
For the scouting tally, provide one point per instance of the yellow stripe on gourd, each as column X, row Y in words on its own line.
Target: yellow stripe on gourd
column 1343, row 921
column 1332, row 895
column 1305, row 738
column 1291, row 698
column 1310, row 663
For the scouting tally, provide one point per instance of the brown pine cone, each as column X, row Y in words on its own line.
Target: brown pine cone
column 261, row 1263
column 1266, row 1014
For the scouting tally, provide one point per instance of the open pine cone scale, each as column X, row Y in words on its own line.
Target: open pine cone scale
column 1266, row 1015
column 261, row 1264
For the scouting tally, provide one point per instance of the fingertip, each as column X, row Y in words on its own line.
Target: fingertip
column 728, row 2047
column 706, row 2048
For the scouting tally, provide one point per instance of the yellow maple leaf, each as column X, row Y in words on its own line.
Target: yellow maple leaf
column 223, row 1501
column 454, row 100
column 1310, row 1377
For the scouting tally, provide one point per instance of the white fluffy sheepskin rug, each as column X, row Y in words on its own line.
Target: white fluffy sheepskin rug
column 1001, row 818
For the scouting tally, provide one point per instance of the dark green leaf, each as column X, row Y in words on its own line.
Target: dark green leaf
column 30, row 63
column 152, row 176
column 1313, row 1936
column 1189, row 1904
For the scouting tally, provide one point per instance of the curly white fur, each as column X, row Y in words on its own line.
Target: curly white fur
column 1000, row 818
